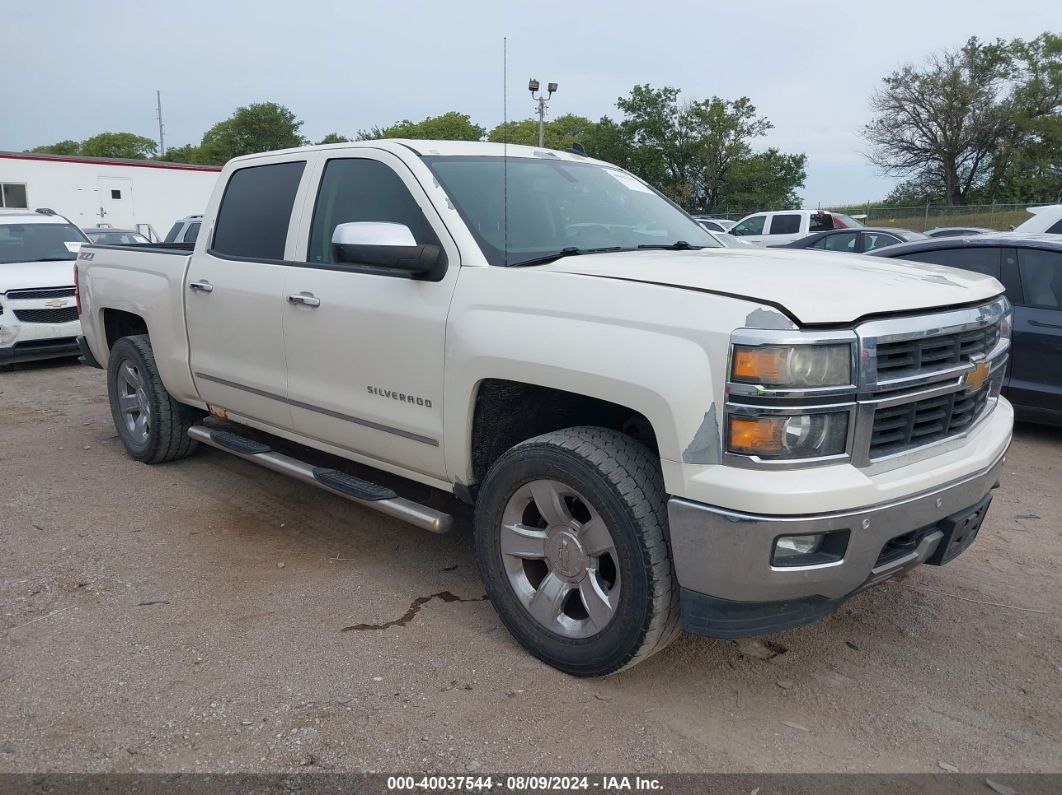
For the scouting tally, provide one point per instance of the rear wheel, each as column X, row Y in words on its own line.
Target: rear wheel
column 570, row 537
column 152, row 426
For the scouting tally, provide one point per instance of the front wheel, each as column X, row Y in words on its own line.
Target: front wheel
column 571, row 541
column 152, row 426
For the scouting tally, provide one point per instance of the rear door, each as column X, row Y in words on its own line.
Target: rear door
column 784, row 228
column 1036, row 356
column 234, row 294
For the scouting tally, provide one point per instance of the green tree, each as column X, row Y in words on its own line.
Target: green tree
column 333, row 138
column 944, row 121
column 451, row 126
column 689, row 149
column 1028, row 166
column 189, row 153
column 559, row 133
column 764, row 179
column 260, row 127
column 60, row 148
column 119, row 144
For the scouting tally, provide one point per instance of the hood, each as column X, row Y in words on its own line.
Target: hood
column 26, row 275
column 814, row 287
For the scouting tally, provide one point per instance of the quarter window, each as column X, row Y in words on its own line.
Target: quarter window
column 879, row 240
column 1041, row 277
column 785, row 224
column 13, row 195
column 256, row 210
column 821, row 222
column 356, row 189
column 1055, row 229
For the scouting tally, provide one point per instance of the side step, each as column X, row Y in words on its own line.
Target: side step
column 339, row 483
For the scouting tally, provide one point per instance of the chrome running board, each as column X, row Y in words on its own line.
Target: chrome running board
column 362, row 492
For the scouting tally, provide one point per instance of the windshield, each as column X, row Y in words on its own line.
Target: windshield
column 39, row 242
column 558, row 207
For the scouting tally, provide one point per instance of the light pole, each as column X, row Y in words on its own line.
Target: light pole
column 542, row 102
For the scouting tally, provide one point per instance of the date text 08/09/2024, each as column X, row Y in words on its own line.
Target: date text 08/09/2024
column 604, row 783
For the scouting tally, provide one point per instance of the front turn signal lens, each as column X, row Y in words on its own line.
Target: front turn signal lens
column 760, row 365
column 756, row 435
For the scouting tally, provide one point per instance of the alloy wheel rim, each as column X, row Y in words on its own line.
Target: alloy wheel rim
column 560, row 559
column 133, row 402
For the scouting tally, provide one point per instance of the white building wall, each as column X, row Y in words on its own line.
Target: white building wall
column 84, row 190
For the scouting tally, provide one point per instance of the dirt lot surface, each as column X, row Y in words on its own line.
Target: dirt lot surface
column 196, row 616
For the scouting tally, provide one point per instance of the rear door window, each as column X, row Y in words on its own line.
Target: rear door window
column 785, row 225
column 844, row 241
column 980, row 259
column 750, row 226
column 256, row 210
column 191, row 233
column 1041, row 277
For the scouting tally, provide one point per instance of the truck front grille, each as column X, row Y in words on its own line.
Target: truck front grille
column 915, row 356
column 40, row 292
column 64, row 315
column 909, row 425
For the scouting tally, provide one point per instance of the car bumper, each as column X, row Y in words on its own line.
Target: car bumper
column 36, row 350
column 731, row 588
column 29, row 342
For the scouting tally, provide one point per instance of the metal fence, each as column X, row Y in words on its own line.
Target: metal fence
column 918, row 217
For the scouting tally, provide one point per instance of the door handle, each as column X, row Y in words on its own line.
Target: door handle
column 201, row 286
column 1041, row 324
column 306, row 299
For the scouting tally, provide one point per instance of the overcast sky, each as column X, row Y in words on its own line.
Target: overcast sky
column 74, row 68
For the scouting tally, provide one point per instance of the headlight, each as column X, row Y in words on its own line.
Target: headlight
column 792, row 366
column 788, row 436
column 1006, row 325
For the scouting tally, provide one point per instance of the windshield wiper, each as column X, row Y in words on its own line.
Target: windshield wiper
column 570, row 251
column 678, row 245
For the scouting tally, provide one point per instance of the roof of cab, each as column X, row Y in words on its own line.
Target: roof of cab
column 437, row 148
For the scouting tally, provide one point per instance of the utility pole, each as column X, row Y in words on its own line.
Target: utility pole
column 543, row 103
column 158, row 115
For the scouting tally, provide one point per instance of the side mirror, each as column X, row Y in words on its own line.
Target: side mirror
column 384, row 245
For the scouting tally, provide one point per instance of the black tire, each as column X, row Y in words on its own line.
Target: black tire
column 167, row 429
column 622, row 480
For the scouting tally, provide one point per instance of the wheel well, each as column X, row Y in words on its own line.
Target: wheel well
column 509, row 412
column 118, row 323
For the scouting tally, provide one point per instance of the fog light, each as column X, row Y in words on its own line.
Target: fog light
column 788, row 547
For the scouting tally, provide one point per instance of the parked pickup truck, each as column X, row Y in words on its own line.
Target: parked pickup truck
column 655, row 431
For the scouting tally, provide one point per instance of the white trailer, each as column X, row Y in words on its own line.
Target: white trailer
column 97, row 191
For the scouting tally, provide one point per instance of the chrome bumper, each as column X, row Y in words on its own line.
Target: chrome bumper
column 725, row 555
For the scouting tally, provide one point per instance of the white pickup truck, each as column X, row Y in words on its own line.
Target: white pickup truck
column 655, row 431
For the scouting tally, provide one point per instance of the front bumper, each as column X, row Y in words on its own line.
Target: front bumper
column 36, row 350
column 731, row 589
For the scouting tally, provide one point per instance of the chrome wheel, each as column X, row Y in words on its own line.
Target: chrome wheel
column 560, row 559
column 133, row 402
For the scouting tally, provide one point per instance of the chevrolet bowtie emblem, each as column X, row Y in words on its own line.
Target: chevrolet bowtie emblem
column 976, row 378
column 55, row 303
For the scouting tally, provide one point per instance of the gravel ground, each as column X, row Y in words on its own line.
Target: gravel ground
column 212, row 616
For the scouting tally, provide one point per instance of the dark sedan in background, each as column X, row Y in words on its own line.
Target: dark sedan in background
column 958, row 231
column 856, row 241
column 1030, row 268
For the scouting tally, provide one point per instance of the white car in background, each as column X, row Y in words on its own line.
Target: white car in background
column 786, row 226
column 38, row 313
column 185, row 230
column 1045, row 220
